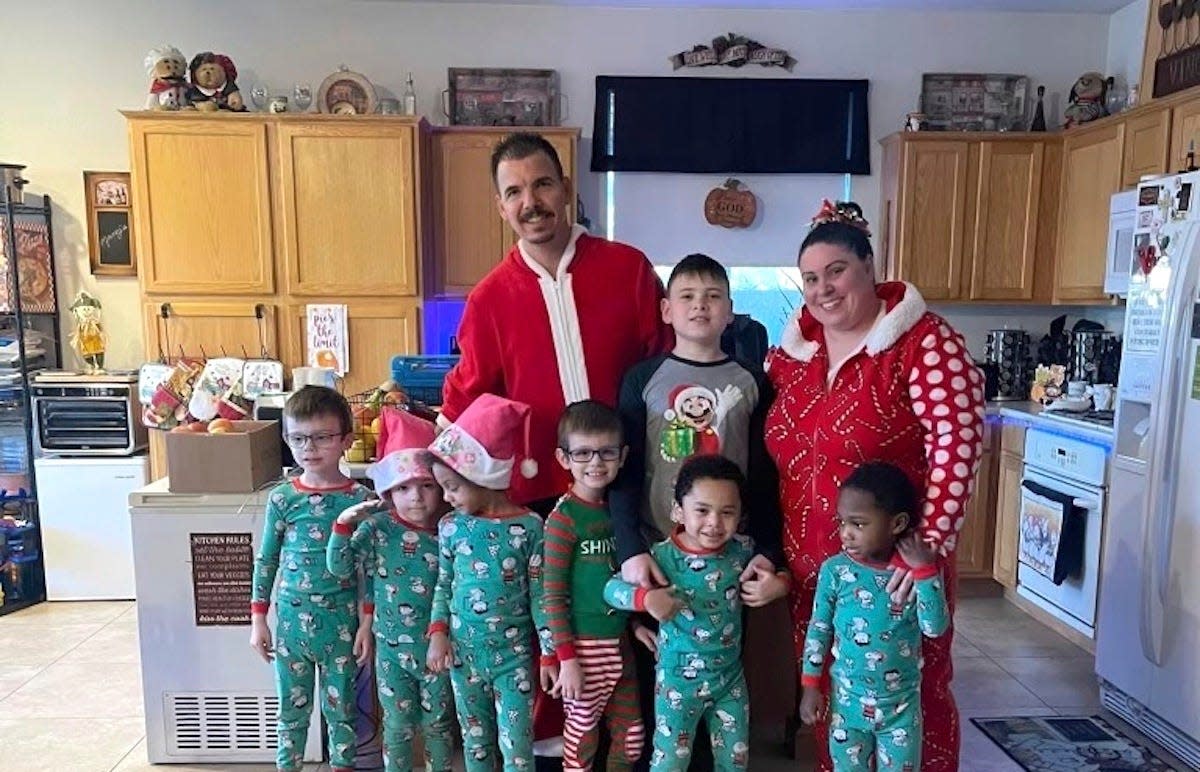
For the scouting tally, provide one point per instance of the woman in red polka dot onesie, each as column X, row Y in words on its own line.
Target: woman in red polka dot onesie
column 864, row 372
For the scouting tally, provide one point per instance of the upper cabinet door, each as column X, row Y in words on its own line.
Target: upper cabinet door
column 1185, row 134
column 347, row 194
column 1003, row 253
column 203, row 205
column 1146, row 138
column 469, row 229
column 929, row 244
column 1091, row 174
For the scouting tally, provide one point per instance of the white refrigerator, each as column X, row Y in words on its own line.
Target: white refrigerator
column 1148, row 626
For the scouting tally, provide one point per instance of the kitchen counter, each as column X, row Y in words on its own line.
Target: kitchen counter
column 1032, row 414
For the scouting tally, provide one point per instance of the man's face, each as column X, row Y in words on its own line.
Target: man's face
column 532, row 198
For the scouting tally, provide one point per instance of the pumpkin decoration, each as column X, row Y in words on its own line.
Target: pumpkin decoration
column 730, row 206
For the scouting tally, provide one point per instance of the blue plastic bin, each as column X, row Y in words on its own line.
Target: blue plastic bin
column 421, row 377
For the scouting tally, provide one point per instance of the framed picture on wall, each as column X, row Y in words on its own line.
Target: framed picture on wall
column 110, row 224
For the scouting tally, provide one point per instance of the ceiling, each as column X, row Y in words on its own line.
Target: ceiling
column 1045, row 6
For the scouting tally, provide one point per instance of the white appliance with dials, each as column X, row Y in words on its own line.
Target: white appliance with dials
column 83, row 505
column 1148, row 639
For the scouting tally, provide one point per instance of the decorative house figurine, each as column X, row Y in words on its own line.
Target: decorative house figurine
column 214, row 83
column 168, row 87
column 1087, row 100
column 88, row 336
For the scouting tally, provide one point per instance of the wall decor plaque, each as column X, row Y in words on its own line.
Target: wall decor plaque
column 480, row 96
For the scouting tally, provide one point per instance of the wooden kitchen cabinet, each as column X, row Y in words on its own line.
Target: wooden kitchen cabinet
column 1003, row 252
column 348, row 198
column 377, row 330
column 202, row 204
column 469, row 236
column 925, row 191
column 970, row 219
column 1092, row 170
column 974, row 551
column 1008, row 505
column 1185, row 133
column 1147, row 138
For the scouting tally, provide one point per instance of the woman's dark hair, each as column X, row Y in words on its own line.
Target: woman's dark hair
column 840, row 234
column 889, row 486
column 708, row 467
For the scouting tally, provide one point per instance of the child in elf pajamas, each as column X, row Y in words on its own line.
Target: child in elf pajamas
column 318, row 625
column 594, row 668
column 875, row 710
column 699, row 674
column 395, row 542
column 489, row 586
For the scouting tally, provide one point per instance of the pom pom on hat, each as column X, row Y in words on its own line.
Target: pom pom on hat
column 529, row 469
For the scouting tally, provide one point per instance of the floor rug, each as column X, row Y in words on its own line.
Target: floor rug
column 1074, row 743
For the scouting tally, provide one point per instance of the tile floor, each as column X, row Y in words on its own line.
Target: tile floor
column 69, row 671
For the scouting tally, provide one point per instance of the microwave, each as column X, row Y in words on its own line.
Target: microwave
column 87, row 419
column 1122, row 216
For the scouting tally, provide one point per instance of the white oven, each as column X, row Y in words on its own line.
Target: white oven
column 1070, row 472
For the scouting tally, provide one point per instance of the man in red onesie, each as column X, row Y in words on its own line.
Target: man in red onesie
column 559, row 320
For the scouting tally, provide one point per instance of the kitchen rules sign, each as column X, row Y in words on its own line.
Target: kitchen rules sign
column 327, row 339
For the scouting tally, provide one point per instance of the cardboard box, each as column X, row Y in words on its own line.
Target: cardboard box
column 241, row 461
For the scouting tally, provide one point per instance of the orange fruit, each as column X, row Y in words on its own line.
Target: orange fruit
column 220, row 426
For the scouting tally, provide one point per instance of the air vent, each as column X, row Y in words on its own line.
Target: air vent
column 1151, row 725
column 202, row 722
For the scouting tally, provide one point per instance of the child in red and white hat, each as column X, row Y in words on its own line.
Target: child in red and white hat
column 488, row 603
column 394, row 541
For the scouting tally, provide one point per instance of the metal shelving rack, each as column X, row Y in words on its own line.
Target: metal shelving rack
column 22, row 574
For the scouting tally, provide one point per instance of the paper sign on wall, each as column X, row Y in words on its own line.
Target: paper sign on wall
column 222, row 573
column 327, row 338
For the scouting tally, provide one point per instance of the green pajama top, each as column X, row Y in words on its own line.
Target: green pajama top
column 296, row 533
column 876, row 644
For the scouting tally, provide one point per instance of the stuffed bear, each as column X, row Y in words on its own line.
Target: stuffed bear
column 214, row 85
column 1087, row 100
column 168, row 88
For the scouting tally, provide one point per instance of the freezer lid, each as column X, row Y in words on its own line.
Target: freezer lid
column 157, row 497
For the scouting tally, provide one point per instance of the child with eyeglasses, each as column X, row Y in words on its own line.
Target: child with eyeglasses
column 592, row 669
column 318, row 627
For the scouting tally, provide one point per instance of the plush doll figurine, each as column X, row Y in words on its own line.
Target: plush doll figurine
column 1087, row 100
column 88, row 335
column 168, row 88
column 214, row 85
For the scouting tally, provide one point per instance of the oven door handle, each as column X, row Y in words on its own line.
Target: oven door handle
column 1089, row 504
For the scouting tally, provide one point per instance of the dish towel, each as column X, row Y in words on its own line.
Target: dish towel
column 1052, row 532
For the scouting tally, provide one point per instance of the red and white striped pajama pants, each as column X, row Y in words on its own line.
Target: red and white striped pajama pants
column 609, row 690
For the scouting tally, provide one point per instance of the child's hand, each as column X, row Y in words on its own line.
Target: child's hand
column 570, row 681
column 437, row 659
column 359, row 512
column 643, row 571
column 260, row 637
column 662, row 603
column 915, row 551
column 364, row 641
column 812, row 706
column 549, row 677
column 765, row 585
column 648, row 638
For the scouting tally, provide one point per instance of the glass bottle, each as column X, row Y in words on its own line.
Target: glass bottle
column 410, row 97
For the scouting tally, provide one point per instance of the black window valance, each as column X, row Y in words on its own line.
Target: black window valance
column 731, row 125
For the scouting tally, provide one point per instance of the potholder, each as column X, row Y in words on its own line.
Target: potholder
column 150, row 376
column 260, row 376
column 214, row 382
column 168, row 404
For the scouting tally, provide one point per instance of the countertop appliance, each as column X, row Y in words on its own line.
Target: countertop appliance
column 84, row 509
column 87, row 415
column 192, row 557
column 1008, row 351
column 1148, row 641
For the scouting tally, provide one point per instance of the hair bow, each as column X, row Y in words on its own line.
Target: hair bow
column 846, row 212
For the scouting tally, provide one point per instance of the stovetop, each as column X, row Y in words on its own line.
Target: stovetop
column 1102, row 418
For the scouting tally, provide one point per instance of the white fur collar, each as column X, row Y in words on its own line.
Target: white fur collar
column 883, row 335
column 564, row 262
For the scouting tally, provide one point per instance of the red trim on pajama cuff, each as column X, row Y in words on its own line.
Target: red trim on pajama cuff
column 259, row 606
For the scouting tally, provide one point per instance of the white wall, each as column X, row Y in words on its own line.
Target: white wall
column 1127, row 42
column 69, row 65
